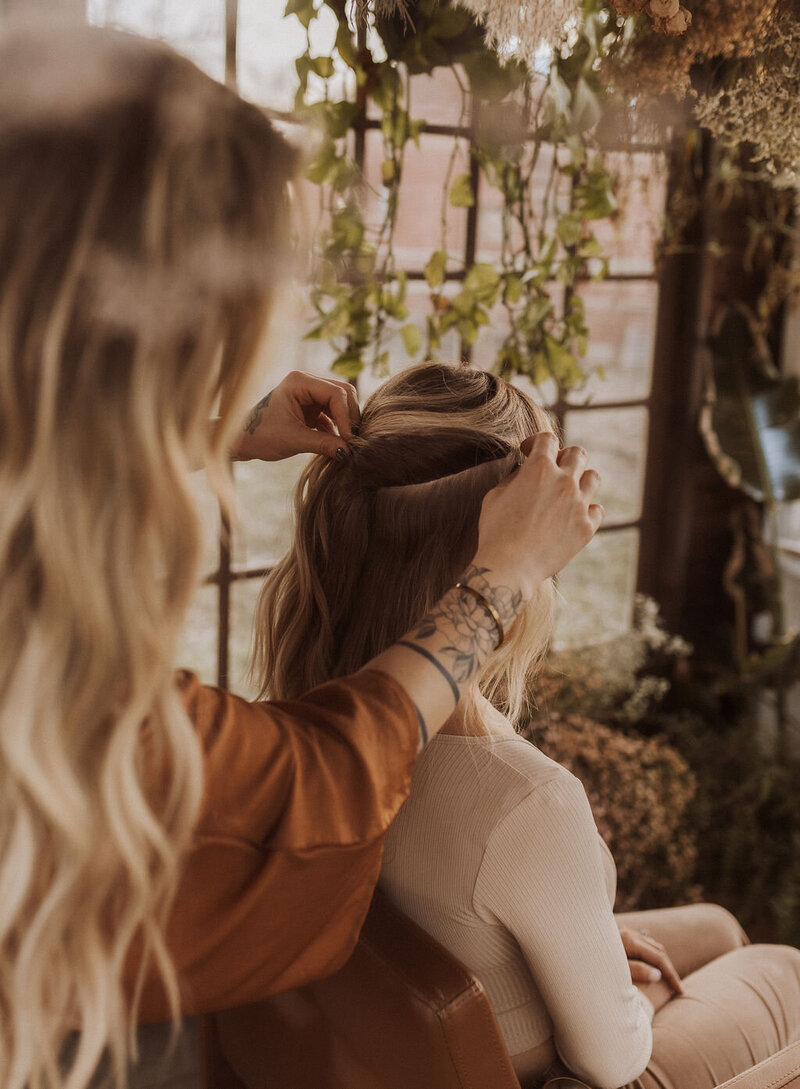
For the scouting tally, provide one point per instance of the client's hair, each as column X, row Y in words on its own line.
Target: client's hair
column 143, row 209
column 381, row 536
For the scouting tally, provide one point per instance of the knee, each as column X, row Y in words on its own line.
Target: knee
column 724, row 926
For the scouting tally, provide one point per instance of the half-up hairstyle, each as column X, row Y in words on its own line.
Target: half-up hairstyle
column 379, row 538
column 142, row 216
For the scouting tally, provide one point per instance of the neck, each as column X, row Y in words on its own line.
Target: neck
column 492, row 722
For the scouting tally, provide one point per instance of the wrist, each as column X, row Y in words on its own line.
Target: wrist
column 493, row 572
column 501, row 593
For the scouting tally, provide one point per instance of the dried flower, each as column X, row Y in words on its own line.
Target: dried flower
column 762, row 107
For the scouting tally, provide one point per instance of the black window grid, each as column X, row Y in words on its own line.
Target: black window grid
column 226, row 575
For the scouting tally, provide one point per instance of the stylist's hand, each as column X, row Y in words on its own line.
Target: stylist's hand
column 533, row 523
column 302, row 415
column 648, row 960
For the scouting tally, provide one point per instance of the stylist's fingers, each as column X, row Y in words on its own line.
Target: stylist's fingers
column 589, row 483
column 336, row 399
column 572, row 459
column 542, row 444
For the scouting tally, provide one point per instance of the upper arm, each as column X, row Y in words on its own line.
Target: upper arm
column 542, row 878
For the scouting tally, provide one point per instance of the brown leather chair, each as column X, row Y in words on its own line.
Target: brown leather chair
column 402, row 1014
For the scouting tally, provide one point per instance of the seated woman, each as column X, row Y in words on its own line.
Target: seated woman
column 496, row 852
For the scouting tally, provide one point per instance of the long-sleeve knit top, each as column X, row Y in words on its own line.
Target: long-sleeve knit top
column 496, row 854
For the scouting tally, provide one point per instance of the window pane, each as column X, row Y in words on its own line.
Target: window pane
column 597, row 589
column 622, row 325
column 208, row 513
column 422, row 201
column 267, row 44
column 436, row 98
column 197, row 647
column 264, row 504
column 244, row 593
column 616, row 439
column 630, row 238
column 196, row 30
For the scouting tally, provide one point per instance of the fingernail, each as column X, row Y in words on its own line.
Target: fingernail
column 341, row 453
column 655, row 975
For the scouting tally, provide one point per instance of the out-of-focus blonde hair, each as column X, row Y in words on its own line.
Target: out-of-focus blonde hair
column 142, row 213
column 380, row 537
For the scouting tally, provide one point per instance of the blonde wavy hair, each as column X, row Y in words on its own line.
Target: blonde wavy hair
column 380, row 537
column 143, row 213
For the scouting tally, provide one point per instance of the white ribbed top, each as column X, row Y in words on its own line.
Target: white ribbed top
column 496, row 854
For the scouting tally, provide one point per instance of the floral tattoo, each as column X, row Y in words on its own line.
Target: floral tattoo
column 256, row 414
column 474, row 628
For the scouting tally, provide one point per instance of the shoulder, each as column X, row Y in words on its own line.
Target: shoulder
column 503, row 774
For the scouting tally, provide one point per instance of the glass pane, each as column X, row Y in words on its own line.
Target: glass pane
column 630, row 239
column 208, row 511
column 418, row 303
column 597, row 588
column 490, row 221
column 490, row 337
column 196, row 30
column 437, row 98
column 422, row 201
column 622, row 325
column 264, row 504
column 197, row 647
column 244, row 594
column 616, row 439
column 267, row 44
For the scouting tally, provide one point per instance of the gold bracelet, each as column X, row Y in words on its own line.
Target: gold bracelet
column 493, row 613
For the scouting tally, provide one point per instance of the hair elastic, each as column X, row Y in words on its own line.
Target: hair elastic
column 484, row 601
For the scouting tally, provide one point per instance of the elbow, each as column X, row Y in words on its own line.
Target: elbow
column 613, row 1063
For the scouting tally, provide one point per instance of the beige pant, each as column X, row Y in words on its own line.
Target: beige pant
column 741, row 1002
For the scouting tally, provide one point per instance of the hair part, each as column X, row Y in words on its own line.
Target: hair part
column 380, row 537
column 143, row 227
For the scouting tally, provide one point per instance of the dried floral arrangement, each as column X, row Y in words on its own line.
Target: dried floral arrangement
column 590, row 702
column 668, row 16
column 529, row 24
column 720, row 32
column 761, row 106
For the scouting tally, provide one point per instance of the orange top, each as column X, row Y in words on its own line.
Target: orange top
column 298, row 797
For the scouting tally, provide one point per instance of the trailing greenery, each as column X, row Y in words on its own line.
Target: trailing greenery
column 520, row 125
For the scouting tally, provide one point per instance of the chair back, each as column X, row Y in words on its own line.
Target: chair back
column 401, row 1014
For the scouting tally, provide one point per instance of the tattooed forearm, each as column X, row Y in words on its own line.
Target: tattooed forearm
column 434, row 662
column 469, row 627
column 256, row 414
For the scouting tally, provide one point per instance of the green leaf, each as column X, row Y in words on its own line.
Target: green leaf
column 512, row 291
column 388, row 171
column 415, row 128
column 412, row 338
column 435, row 268
column 348, row 364
column 569, row 229
column 483, row 281
column 333, row 325
column 322, row 66
column 562, row 363
column 461, row 195
column 303, row 9
column 345, row 45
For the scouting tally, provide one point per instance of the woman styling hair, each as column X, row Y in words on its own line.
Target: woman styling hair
column 496, row 853
column 166, row 848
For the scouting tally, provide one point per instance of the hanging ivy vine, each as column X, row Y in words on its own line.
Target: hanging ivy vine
column 517, row 127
